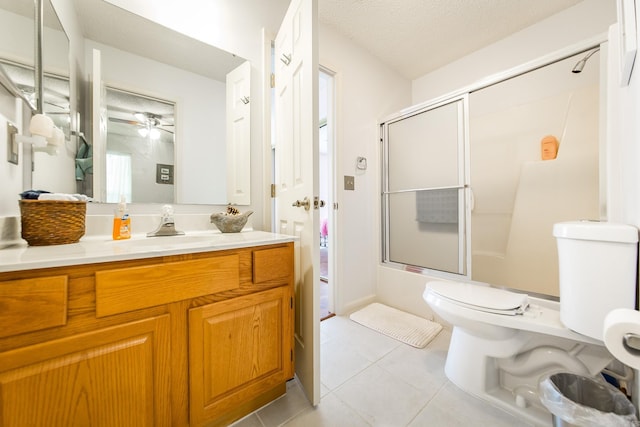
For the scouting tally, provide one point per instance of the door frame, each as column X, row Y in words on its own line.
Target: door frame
column 332, row 197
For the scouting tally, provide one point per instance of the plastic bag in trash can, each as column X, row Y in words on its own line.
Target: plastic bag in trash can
column 585, row 401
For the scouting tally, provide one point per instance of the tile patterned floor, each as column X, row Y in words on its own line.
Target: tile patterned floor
column 369, row 379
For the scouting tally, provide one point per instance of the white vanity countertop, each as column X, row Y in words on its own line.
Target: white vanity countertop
column 102, row 249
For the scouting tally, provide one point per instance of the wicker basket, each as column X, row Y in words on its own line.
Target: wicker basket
column 52, row 222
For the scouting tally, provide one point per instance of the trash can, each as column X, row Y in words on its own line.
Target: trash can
column 574, row 400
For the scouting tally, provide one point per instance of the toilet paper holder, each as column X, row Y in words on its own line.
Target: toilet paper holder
column 632, row 343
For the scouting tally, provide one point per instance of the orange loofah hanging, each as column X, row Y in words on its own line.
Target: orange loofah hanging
column 549, row 147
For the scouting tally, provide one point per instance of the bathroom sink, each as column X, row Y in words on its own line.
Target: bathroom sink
column 166, row 242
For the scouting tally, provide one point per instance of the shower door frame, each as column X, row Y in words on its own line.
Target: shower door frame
column 559, row 55
column 463, row 215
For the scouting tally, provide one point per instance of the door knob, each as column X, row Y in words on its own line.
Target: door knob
column 304, row 203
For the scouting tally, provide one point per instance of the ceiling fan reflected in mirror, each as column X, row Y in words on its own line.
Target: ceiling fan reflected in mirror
column 148, row 124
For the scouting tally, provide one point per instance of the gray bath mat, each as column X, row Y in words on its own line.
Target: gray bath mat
column 405, row 327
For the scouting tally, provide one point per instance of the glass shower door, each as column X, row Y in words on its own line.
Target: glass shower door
column 424, row 189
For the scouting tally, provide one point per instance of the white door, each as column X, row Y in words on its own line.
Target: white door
column 238, row 135
column 296, row 110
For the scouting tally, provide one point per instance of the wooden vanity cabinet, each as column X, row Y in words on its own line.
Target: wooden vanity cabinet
column 110, row 377
column 195, row 339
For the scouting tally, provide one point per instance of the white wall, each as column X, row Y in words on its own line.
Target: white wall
column 623, row 156
column 588, row 19
column 10, row 174
column 366, row 92
column 20, row 47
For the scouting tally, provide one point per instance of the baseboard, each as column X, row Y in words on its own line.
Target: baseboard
column 356, row 305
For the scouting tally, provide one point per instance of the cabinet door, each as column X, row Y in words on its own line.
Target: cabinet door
column 116, row 376
column 239, row 349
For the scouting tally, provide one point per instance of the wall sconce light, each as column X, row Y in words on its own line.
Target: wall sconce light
column 45, row 136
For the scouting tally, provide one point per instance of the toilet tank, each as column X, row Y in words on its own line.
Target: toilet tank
column 597, row 263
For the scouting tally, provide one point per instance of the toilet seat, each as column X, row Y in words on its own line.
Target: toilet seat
column 482, row 298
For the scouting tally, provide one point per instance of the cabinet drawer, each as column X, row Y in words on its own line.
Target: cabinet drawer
column 32, row 304
column 272, row 264
column 127, row 289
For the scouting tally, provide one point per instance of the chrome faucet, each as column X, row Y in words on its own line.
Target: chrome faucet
column 167, row 225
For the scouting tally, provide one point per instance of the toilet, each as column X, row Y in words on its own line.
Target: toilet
column 504, row 342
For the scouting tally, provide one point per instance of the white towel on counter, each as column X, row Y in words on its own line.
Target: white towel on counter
column 63, row 196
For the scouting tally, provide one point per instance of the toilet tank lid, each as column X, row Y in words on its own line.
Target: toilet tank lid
column 596, row 230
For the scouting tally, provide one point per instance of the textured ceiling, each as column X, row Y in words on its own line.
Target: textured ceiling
column 415, row 37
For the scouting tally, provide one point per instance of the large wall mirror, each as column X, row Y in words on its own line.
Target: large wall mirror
column 43, row 84
column 152, row 62
column 17, row 46
column 156, row 63
column 502, row 229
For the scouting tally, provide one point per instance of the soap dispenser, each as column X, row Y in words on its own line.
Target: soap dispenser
column 121, row 221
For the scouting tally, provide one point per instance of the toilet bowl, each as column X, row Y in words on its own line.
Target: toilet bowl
column 504, row 342
column 501, row 357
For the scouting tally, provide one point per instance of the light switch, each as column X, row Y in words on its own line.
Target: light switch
column 12, row 145
column 349, row 182
column 164, row 174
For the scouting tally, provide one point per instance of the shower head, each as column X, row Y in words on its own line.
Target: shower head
column 580, row 64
